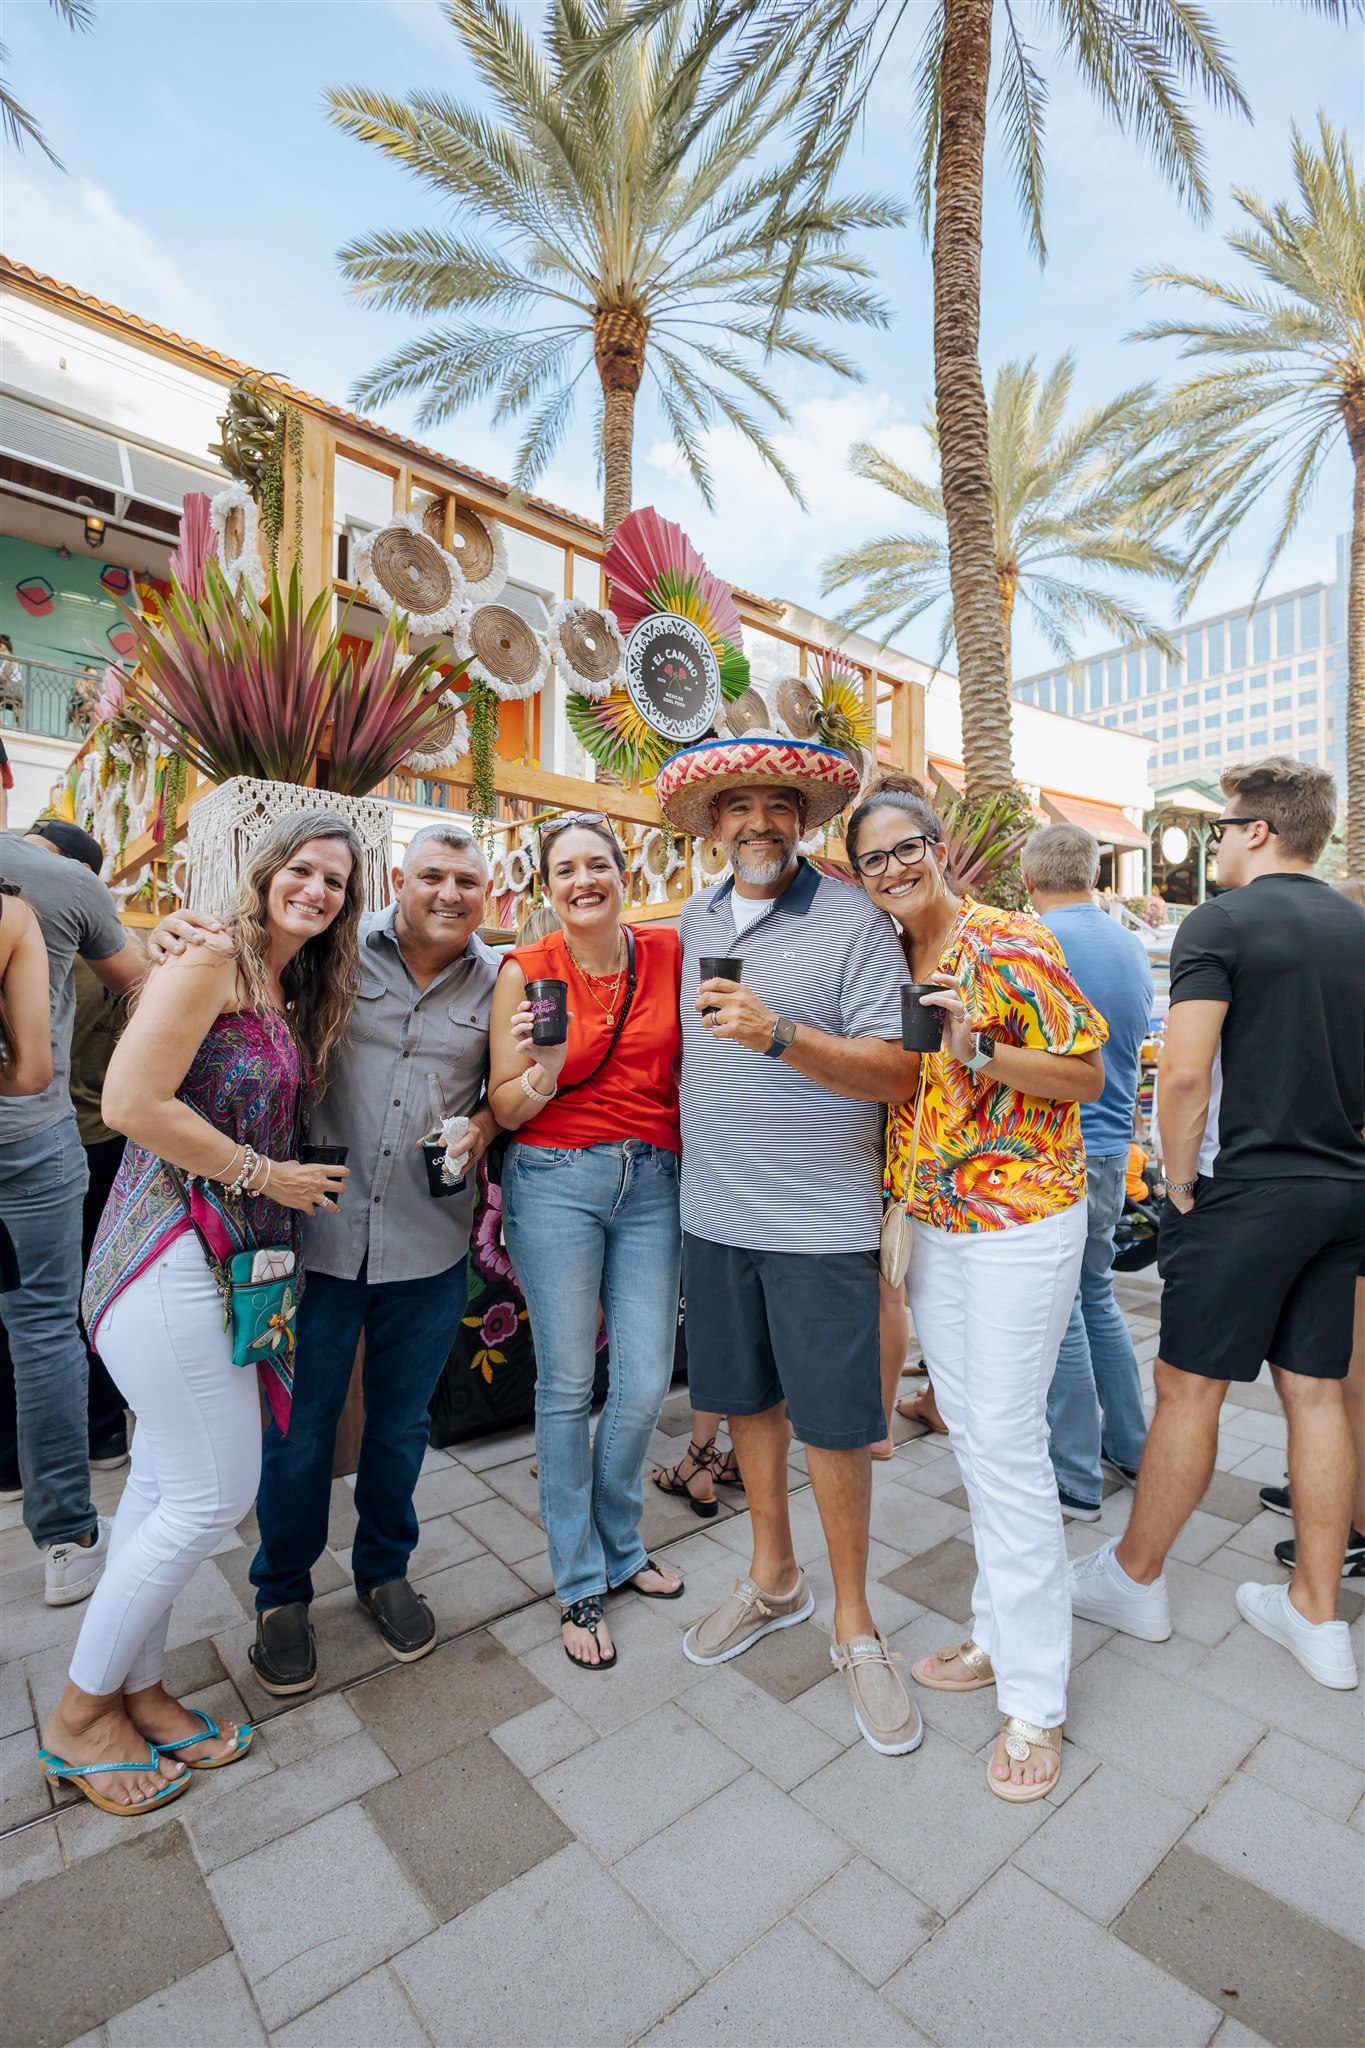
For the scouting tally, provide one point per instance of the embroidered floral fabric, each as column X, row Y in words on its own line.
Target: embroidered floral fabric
column 990, row 1157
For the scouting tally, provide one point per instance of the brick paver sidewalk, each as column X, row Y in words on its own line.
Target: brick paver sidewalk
column 493, row 1847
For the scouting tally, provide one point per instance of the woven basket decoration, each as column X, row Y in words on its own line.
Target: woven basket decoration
column 477, row 544
column 588, row 648
column 412, row 570
column 689, row 782
column 798, row 707
column 444, row 741
column 748, row 713
column 503, row 651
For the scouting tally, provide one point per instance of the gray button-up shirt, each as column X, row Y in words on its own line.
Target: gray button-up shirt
column 376, row 1103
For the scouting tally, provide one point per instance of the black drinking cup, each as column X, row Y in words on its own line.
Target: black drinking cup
column 713, row 967
column 324, row 1155
column 549, row 1002
column 921, row 1028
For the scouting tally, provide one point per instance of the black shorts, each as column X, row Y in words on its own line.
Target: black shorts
column 799, row 1327
column 1262, row 1270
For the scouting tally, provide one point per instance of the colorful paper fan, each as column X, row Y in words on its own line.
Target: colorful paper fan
column 652, row 566
column 841, row 718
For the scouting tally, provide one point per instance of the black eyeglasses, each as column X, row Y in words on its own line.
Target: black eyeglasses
column 908, row 852
column 1220, row 826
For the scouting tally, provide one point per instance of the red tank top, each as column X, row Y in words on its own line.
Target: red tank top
column 636, row 1093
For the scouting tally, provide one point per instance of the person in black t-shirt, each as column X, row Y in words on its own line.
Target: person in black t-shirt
column 1259, row 1258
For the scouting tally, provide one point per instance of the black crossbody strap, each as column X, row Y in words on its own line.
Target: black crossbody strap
column 179, row 1184
column 620, row 1022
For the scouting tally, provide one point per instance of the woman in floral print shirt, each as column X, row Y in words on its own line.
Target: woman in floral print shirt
column 1000, row 1226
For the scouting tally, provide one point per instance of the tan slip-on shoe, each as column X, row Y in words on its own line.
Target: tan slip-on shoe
column 742, row 1617
column 887, row 1717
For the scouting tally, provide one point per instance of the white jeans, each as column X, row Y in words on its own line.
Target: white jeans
column 990, row 1310
column 196, row 1462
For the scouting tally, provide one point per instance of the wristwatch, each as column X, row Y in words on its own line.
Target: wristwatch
column 983, row 1055
column 784, row 1033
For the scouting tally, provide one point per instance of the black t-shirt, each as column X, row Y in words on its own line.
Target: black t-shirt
column 1287, row 955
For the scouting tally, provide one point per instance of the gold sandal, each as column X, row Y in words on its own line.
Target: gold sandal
column 977, row 1670
column 1020, row 1738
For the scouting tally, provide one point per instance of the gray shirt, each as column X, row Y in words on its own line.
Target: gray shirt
column 773, row 1161
column 376, row 1103
column 77, row 915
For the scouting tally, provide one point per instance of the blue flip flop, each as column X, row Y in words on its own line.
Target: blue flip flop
column 212, row 1732
column 56, row 1770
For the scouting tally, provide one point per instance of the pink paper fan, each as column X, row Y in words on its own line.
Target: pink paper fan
column 651, row 558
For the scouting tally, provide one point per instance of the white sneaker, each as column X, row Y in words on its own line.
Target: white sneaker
column 1102, row 1591
column 72, row 1570
column 1322, row 1647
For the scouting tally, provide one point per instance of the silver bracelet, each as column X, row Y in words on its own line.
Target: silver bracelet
column 224, row 1179
column 250, row 1161
column 529, row 1087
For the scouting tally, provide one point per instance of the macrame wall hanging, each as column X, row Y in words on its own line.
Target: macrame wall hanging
column 227, row 823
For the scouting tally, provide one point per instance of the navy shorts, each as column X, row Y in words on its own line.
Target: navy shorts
column 799, row 1327
column 1261, row 1270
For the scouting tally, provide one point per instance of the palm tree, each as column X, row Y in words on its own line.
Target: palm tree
column 620, row 204
column 1068, row 499
column 15, row 120
column 1286, row 380
column 1140, row 58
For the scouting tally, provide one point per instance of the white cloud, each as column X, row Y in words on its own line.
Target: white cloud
column 73, row 229
column 758, row 536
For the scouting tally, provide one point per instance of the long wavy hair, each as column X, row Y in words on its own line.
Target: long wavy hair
column 321, row 980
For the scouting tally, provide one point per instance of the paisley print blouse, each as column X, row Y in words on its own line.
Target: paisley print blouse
column 990, row 1156
column 245, row 1081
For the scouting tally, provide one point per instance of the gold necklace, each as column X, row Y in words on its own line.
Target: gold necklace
column 608, row 1008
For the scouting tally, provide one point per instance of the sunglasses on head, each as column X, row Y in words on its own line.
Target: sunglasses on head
column 549, row 833
column 1221, row 825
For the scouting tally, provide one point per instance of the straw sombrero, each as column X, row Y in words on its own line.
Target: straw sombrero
column 690, row 781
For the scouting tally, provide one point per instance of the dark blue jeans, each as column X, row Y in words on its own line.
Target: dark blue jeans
column 409, row 1327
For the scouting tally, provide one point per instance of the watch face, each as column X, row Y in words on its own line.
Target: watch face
column 785, row 1030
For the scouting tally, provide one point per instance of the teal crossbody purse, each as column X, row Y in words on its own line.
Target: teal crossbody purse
column 260, row 1294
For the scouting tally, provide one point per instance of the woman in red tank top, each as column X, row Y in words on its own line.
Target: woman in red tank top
column 590, row 1213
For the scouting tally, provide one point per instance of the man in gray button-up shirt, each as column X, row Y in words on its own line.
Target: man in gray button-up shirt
column 388, row 1263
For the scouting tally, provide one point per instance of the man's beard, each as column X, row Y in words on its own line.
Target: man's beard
column 759, row 873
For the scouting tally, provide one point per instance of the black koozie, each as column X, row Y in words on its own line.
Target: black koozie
column 437, row 1184
column 549, row 1002
column 719, row 967
column 921, row 1029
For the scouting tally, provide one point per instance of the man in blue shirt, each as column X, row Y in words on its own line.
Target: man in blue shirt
column 1097, row 1372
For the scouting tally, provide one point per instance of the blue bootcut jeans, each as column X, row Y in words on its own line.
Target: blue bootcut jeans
column 42, row 1192
column 409, row 1327
column 1097, row 1370
column 590, row 1224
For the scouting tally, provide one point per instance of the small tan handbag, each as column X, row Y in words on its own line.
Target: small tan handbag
column 898, row 1224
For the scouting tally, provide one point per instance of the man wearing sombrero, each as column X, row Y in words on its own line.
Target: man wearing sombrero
column 785, row 1068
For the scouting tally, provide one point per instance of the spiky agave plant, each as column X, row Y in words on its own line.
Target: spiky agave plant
column 244, row 688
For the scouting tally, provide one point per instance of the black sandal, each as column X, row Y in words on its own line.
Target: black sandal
column 725, row 1468
column 651, row 1564
column 668, row 1479
column 586, row 1614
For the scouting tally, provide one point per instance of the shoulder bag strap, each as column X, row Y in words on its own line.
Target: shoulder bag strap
column 179, row 1184
column 914, row 1137
column 620, row 1022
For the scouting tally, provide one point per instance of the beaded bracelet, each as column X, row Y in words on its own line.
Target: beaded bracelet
column 530, row 1088
column 241, row 1181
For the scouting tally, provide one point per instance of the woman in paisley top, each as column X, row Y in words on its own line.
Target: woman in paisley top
column 209, row 1076
column 998, row 1199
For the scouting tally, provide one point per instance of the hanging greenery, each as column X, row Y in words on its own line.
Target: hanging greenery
column 483, row 735
column 260, row 433
column 123, row 769
column 171, row 782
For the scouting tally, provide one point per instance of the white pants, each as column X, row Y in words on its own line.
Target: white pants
column 196, row 1462
column 990, row 1309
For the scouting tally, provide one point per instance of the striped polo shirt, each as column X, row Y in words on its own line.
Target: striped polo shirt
column 771, row 1160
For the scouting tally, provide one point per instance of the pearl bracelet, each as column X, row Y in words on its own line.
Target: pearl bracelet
column 531, row 1089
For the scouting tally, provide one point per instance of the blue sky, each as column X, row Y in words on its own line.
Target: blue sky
column 206, row 192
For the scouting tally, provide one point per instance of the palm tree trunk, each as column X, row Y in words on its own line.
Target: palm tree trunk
column 1354, row 736
column 960, row 397
column 618, row 439
column 619, row 337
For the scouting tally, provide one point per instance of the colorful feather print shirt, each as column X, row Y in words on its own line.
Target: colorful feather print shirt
column 990, row 1156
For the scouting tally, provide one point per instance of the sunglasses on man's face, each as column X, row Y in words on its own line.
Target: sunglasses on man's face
column 1221, row 825
column 908, row 853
